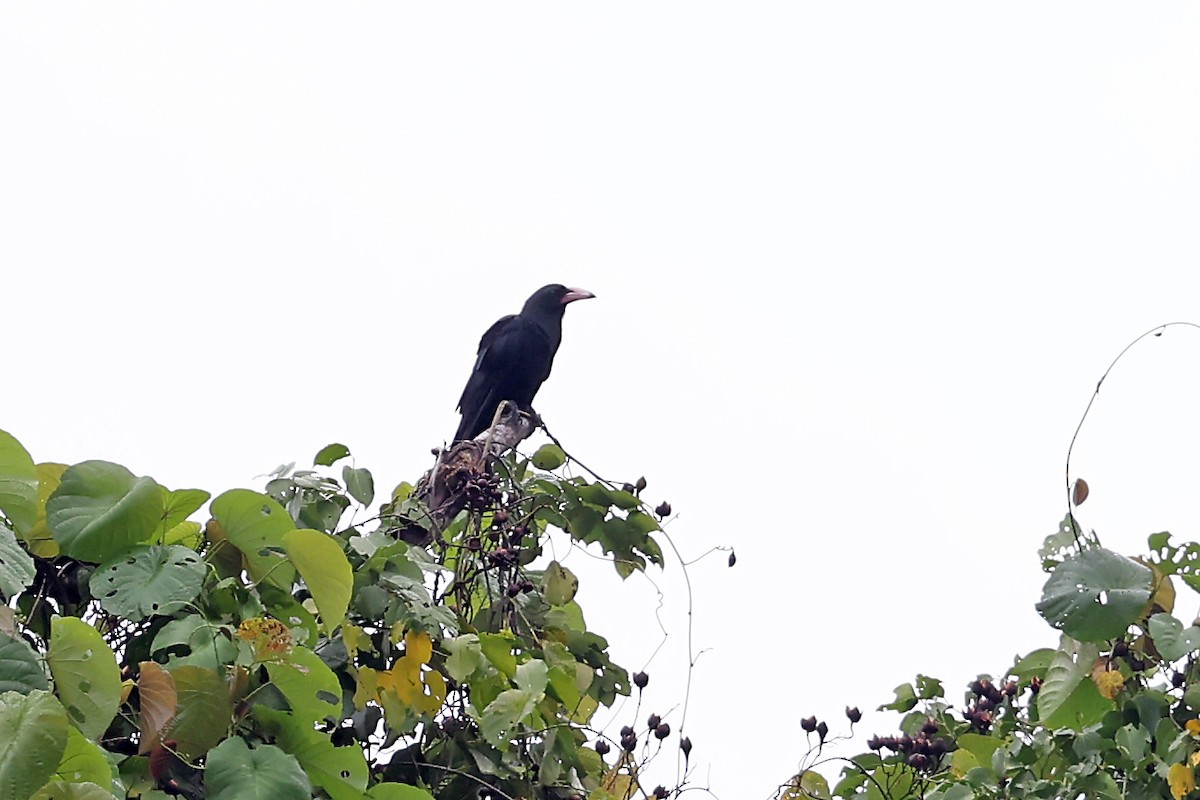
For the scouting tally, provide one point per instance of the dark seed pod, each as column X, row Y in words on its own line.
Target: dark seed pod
column 853, row 714
column 628, row 488
column 641, row 679
column 626, row 731
column 930, row 727
column 822, row 730
column 602, row 747
column 1178, row 679
column 653, row 721
column 663, row 509
column 918, row 761
column 527, row 586
column 1121, row 649
column 514, row 589
column 938, row 746
column 685, row 744
column 808, row 724
column 874, row 743
column 732, row 558
column 662, row 731
column 629, row 743
column 660, row 793
column 640, row 484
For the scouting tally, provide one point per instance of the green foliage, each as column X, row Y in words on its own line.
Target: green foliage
column 1112, row 712
column 281, row 650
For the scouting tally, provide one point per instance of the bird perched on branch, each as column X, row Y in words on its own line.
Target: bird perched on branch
column 515, row 356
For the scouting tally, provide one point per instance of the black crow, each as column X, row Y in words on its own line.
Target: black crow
column 515, row 356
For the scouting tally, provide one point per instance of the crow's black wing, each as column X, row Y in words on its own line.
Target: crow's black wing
column 500, row 354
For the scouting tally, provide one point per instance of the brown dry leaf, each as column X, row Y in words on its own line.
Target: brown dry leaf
column 156, row 691
column 1080, row 492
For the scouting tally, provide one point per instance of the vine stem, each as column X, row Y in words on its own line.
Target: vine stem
column 1155, row 331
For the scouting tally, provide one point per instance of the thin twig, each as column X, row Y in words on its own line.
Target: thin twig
column 1155, row 331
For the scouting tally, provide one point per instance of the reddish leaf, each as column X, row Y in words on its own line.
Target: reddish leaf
column 1081, row 492
column 156, row 693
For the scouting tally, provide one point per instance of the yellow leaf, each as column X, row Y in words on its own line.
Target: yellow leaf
column 1192, row 726
column 1182, row 780
column 1109, row 682
column 1194, row 758
column 418, row 646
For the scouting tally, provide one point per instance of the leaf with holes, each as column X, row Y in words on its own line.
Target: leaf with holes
column 86, row 676
column 235, row 772
column 100, row 508
column 20, row 668
column 255, row 525
column 1095, row 595
column 156, row 703
column 1171, row 638
column 322, row 563
column 310, row 687
column 147, row 580
column 33, row 735
column 18, row 483
column 16, row 567
column 82, row 761
column 341, row 771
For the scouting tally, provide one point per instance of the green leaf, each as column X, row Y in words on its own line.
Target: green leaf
column 531, row 676
column 186, row 534
column 906, row 699
column 559, row 584
column 100, row 509
column 465, row 657
column 813, row 784
column 549, row 456
column 1134, row 742
column 1033, row 665
column 982, row 747
column 359, row 484
column 341, row 771
column 20, row 669
column 16, row 566
column 1171, row 638
column 18, row 484
column 398, row 791
column 85, row 672
column 148, row 580
column 83, row 760
column 1095, row 595
column 62, row 790
column 235, row 772
column 498, row 647
column 311, row 688
column 203, row 711
column 322, row 563
column 255, row 525
column 1068, row 697
column 329, row 454
column 180, row 504
column 33, row 735
column 504, row 714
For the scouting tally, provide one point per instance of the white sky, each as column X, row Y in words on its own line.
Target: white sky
column 858, row 267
